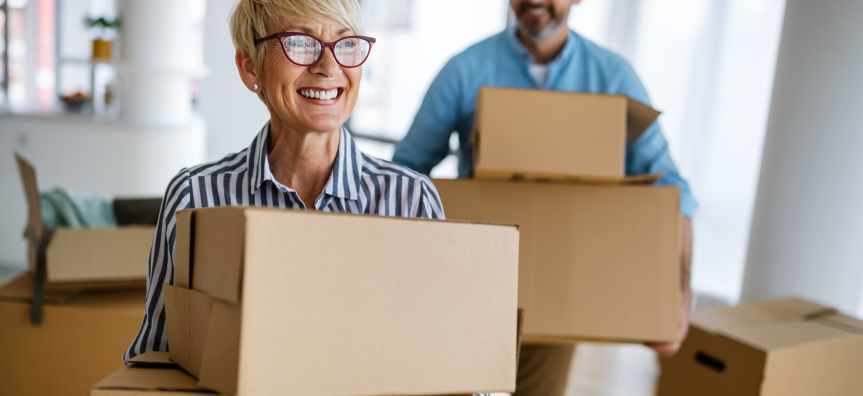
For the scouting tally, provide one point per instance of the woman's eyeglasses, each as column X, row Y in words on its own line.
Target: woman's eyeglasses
column 305, row 50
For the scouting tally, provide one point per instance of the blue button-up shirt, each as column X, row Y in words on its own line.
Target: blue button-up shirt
column 502, row 61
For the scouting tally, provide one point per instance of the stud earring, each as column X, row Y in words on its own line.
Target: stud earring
column 255, row 87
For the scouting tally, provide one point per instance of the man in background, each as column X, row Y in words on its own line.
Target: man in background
column 540, row 52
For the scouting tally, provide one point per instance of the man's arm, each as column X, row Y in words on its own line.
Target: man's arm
column 667, row 350
column 427, row 141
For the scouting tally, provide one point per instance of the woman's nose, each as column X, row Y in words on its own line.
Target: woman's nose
column 327, row 66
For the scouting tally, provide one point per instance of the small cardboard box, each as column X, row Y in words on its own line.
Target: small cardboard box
column 596, row 263
column 269, row 301
column 536, row 134
column 150, row 373
column 84, row 259
column 80, row 341
column 775, row 348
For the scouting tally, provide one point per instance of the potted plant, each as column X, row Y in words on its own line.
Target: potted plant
column 102, row 42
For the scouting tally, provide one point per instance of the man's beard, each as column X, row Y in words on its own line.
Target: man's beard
column 554, row 24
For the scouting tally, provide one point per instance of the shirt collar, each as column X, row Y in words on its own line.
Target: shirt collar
column 344, row 179
column 556, row 65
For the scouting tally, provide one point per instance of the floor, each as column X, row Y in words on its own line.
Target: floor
column 612, row 370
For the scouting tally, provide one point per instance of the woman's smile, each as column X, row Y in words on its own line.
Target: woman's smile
column 320, row 95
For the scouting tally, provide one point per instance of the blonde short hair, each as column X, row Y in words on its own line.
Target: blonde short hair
column 253, row 19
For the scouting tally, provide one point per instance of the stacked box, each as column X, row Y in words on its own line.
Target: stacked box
column 268, row 301
column 80, row 341
column 599, row 254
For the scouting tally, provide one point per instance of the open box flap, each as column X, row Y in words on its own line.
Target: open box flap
column 772, row 325
column 187, row 314
column 35, row 226
column 183, row 248
column 217, row 270
column 639, row 117
column 221, row 356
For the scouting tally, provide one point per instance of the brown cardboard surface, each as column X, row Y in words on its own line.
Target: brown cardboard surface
column 188, row 315
column 772, row 325
column 134, row 380
column 403, row 306
column 109, row 254
column 595, row 262
column 154, row 358
column 217, row 269
column 182, row 246
column 77, row 345
column 34, row 212
column 86, row 259
column 221, row 355
column 526, row 134
column 801, row 348
column 20, row 289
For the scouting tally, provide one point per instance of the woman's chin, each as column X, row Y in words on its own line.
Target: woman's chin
column 323, row 125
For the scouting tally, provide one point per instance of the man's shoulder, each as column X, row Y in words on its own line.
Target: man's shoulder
column 480, row 51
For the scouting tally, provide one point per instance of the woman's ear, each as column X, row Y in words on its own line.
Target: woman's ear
column 246, row 67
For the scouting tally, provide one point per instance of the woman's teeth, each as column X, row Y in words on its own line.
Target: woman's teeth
column 323, row 95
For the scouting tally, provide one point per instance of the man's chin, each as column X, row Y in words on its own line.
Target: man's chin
column 539, row 33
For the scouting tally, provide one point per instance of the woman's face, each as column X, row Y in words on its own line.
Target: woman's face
column 284, row 83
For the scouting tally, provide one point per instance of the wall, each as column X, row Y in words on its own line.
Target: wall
column 234, row 114
column 807, row 226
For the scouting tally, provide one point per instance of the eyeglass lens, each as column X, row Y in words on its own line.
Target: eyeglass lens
column 305, row 50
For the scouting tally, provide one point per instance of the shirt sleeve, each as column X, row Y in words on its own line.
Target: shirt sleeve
column 649, row 153
column 427, row 141
column 152, row 336
column 430, row 205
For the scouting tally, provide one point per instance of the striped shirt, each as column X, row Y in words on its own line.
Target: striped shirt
column 358, row 184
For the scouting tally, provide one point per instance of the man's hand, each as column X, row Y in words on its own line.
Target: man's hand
column 669, row 349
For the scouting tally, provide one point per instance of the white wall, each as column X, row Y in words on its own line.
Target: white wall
column 234, row 114
column 807, row 228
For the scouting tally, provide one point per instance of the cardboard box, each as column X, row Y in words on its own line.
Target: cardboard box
column 150, row 373
column 775, row 348
column 85, row 259
column 80, row 341
column 336, row 304
column 596, row 263
column 537, row 134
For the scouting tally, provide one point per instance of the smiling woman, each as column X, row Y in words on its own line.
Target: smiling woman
column 303, row 59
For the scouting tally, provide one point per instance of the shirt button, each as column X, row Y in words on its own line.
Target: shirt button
column 296, row 206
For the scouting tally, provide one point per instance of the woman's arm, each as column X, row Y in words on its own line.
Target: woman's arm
column 152, row 335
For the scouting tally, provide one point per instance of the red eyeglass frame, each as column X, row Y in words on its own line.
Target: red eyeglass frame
column 324, row 45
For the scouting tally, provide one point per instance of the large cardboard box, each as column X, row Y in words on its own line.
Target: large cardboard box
column 595, row 262
column 787, row 347
column 150, row 373
column 85, row 259
column 269, row 301
column 80, row 341
column 536, row 134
